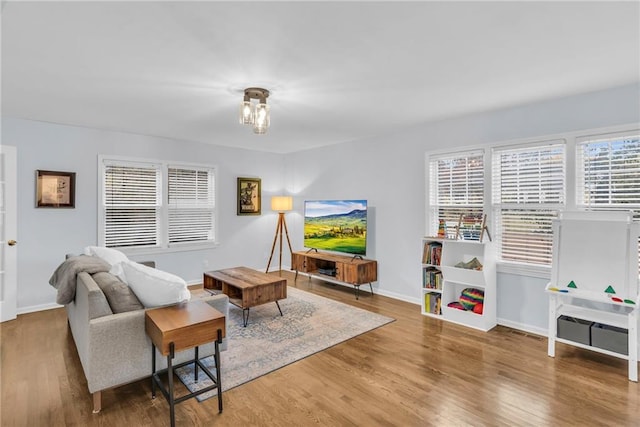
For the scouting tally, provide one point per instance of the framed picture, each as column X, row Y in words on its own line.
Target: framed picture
column 249, row 196
column 55, row 189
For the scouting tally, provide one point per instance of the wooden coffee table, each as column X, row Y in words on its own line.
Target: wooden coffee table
column 247, row 288
column 179, row 327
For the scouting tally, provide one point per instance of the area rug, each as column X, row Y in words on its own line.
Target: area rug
column 310, row 324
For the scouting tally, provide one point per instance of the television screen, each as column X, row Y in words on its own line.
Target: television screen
column 336, row 225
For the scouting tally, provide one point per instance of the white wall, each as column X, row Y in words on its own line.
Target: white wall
column 386, row 170
column 389, row 172
column 46, row 235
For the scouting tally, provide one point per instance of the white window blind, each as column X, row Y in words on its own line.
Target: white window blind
column 528, row 191
column 155, row 204
column 131, row 203
column 608, row 173
column 191, row 205
column 456, row 186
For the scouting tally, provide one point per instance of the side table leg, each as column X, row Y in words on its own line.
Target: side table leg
column 279, row 307
column 195, row 369
column 172, row 413
column 153, row 371
column 218, row 379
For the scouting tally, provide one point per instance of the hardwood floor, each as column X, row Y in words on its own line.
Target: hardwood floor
column 416, row 371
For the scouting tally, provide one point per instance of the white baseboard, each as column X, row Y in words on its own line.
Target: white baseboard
column 399, row 297
column 364, row 288
column 40, row 307
column 523, row 327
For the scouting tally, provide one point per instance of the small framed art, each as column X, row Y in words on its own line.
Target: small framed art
column 249, row 196
column 55, row 189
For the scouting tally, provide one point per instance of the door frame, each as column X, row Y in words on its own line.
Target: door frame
column 8, row 265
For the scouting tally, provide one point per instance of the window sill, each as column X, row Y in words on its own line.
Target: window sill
column 530, row 270
column 131, row 252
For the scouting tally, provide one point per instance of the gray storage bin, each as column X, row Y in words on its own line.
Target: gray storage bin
column 573, row 329
column 610, row 338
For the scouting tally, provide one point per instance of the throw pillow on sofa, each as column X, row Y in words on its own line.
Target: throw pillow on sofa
column 112, row 256
column 154, row 287
column 119, row 296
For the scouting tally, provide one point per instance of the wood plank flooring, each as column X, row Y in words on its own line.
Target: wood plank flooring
column 416, row 371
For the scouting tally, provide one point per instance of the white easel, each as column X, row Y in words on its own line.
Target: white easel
column 598, row 252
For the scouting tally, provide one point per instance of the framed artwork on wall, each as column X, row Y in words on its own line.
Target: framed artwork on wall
column 249, row 196
column 55, row 189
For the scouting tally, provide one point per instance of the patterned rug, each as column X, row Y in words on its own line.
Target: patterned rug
column 310, row 324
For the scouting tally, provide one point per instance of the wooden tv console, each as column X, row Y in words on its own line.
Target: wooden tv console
column 341, row 268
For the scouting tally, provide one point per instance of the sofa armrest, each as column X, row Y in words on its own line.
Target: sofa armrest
column 119, row 350
column 89, row 303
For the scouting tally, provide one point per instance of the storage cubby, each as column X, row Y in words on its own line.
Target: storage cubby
column 456, row 264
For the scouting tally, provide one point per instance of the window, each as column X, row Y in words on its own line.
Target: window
column 608, row 173
column 190, row 205
column 456, row 186
column 530, row 183
column 528, row 191
column 135, row 213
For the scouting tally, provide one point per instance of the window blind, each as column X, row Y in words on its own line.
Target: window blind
column 456, row 186
column 528, row 191
column 191, row 204
column 608, row 173
column 131, row 205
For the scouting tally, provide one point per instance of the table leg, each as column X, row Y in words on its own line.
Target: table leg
column 195, row 369
column 217, row 357
column 153, row 370
column 279, row 308
column 172, row 413
column 245, row 317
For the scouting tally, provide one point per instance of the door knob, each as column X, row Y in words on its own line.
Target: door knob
column 11, row 242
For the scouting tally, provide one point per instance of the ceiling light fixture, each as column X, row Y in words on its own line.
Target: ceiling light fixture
column 258, row 114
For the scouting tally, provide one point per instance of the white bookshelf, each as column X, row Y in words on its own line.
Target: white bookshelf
column 455, row 279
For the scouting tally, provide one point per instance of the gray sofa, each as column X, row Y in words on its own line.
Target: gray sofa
column 114, row 348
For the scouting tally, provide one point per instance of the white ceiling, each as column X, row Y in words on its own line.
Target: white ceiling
column 337, row 71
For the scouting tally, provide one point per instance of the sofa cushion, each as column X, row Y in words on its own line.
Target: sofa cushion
column 120, row 297
column 153, row 287
column 112, row 256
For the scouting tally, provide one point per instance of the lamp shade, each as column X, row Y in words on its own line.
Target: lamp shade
column 261, row 118
column 246, row 113
column 281, row 203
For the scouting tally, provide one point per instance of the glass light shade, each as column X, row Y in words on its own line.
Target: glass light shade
column 246, row 113
column 281, row 203
column 261, row 118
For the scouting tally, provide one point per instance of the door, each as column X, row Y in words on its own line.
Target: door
column 8, row 234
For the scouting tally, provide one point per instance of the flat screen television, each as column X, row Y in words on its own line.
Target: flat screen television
column 336, row 225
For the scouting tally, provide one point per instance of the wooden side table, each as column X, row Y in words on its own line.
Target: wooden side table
column 180, row 327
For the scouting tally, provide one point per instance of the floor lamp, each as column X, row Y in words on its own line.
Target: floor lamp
column 281, row 204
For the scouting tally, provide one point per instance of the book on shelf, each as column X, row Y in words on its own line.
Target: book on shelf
column 432, row 278
column 432, row 303
column 432, row 253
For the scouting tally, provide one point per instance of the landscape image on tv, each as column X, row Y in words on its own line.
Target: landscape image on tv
column 336, row 225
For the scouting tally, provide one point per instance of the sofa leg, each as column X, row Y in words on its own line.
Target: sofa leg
column 97, row 401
